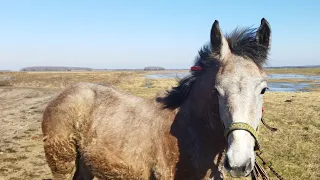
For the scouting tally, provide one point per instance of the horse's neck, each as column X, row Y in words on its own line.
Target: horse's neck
column 202, row 107
column 200, row 138
column 202, row 116
column 199, row 131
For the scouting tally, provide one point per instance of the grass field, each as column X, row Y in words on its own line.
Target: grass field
column 307, row 71
column 293, row 150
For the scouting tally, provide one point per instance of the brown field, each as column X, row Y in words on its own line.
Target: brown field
column 307, row 71
column 293, row 150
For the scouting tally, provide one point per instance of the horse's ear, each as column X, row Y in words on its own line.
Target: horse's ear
column 219, row 44
column 263, row 36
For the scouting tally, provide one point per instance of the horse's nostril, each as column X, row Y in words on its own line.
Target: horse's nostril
column 244, row 168
column 238, row 170
column 248, row 166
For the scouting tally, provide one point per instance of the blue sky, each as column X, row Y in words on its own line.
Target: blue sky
column 135, row 34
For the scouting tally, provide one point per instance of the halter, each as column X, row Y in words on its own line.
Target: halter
column 246, row 127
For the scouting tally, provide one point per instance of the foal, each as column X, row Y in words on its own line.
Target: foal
column 97, row 131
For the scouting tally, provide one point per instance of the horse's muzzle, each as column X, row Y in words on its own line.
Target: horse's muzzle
column 240, row 170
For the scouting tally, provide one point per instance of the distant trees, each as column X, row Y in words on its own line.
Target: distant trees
column 154, row 68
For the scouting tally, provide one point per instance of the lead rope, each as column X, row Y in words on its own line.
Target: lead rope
column 265, row 124
column 272, row 129
column 258, row 172
column 269, row 164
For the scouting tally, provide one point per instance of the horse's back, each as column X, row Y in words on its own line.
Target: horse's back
column 72, row 104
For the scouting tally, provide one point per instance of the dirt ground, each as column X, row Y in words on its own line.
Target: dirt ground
column 21, row 149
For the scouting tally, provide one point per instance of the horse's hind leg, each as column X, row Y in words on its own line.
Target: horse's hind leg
column 61, row 156
column 82, row 172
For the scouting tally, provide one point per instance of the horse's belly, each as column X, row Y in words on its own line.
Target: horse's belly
column 108, row 165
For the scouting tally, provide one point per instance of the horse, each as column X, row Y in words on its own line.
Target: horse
column 200, row 128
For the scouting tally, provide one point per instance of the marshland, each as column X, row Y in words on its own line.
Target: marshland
column 293, row 149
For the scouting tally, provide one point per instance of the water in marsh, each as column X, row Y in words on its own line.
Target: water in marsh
column 273, row 86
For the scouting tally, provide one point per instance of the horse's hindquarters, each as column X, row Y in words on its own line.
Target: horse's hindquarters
column 62, row 122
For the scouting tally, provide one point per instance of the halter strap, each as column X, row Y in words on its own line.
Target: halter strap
column 246, row 127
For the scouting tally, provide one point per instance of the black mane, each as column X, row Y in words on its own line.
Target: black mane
column 241, row 41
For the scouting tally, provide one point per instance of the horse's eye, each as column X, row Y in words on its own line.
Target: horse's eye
column 215, row 90
column 264, row 90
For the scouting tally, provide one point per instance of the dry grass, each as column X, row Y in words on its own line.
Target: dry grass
column 294, row 149
column 6, row 80
column 293, row 80
column 63, row 79
column 132, row 82
column 307, row 71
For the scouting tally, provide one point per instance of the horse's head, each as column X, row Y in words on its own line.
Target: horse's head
column 240, row 84
column 228, row 72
